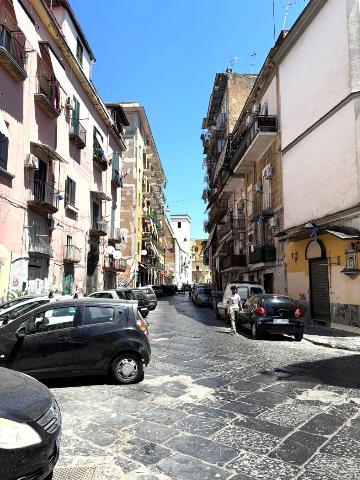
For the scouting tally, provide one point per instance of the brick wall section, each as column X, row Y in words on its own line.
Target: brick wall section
column 239, row 86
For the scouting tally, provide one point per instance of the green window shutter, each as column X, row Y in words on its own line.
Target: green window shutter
column 115, row 161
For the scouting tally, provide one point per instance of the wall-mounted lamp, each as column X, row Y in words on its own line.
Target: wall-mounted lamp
column 295, row 256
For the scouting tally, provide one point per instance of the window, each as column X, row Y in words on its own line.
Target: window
column 22, row 309
column 197, row 268
column 54, row 319
column 79, row 52
column 95, row 315
column 102, row 295
column 4, row 147
column 70, row 192
column 255, row 290
column 179, row 224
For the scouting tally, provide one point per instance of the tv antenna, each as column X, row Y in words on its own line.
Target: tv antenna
column 232, row 61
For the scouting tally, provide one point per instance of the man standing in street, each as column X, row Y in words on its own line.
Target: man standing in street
column 234, row 302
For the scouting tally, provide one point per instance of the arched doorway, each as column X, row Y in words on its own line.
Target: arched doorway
column 319, row 281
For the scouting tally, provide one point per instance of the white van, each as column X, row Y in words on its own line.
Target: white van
column 245, row 290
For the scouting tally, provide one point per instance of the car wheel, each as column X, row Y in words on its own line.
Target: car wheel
column 254, row 331
column 298, row 337
column 127, row 369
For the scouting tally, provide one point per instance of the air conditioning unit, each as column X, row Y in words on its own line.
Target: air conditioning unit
column 32, row 161
column 273, row 222
column 268, row 174
column 258, row 187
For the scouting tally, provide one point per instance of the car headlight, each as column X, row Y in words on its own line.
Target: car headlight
column 17, row 435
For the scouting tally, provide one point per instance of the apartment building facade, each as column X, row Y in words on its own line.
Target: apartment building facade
column 200, row 270
column 181, row 227
column 142, row 201
column 60, row 156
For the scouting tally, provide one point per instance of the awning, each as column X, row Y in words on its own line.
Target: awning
column 59, row 70
column 26, row 26
column 210, row 237
column 49, row 151
column 344, row 233
column 100, row 195
column 3, row 128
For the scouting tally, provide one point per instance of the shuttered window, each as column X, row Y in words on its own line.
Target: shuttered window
column 70, row 191
column 4, row 147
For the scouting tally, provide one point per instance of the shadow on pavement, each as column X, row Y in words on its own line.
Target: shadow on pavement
column 66, row 382
column 329, row 332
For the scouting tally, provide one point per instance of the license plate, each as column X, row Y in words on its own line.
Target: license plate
column 280, row 321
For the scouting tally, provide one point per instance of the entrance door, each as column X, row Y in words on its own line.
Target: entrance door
column 319, row 289
column 269, row 282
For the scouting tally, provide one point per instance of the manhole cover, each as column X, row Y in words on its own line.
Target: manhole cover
column 75, row 473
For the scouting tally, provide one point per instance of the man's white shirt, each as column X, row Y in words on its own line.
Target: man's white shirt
column 234, row 301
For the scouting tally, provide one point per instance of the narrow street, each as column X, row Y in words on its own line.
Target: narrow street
column 215, row 406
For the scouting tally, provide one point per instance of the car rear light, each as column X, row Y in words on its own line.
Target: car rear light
column 142, row 325
column 260, row 311
column 298, row 313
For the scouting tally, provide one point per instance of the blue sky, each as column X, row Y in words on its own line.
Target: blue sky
column 164, row 54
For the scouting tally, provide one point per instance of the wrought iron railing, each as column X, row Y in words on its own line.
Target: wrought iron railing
column 77, row 130
column 50, row 89
column 234, row 261
column 44, row 193
column 12, row 46
column 72, row 253
column 40, row 245
column 262, row 254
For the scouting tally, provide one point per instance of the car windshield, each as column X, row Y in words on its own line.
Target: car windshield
column 148, row 291
column 243, row 292
column 138, row 294
column 279, row 305
column 205, row 291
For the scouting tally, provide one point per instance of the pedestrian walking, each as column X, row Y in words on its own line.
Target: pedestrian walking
column 234, row 303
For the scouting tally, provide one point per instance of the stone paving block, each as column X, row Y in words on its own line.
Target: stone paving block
column 147, row 453
column 209, row 412
column 323, row 424
column 289, row 414
column 246, row 386
column 262, row 426
column 183, row 467
column 264, row 468
column 245, row 408
column 215, row 382
column 97, row 434
column 298, row 448
column 125, row 463
column 153, row 432
column 198, row 425
column 335, row 467
column 244, row 462
column 343, row 445
column 314, row 476
column 265, row 398
column 202, row 448
column 345, row 410
column 246, row 439
column 113, row 420
column 163, row 415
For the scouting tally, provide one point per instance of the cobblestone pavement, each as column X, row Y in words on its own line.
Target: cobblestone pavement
column 216, row 406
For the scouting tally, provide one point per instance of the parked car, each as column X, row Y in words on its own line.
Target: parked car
column 216, row 297
column 30, row 426
column 144, row 302
column 245, row 290
column 202, row 296
column 151, row 296
column 17, row 300
column 272, row 314
column 158, row 289
column 78, row 337
column 194, row 287
column 20, row 308
column 125, row 294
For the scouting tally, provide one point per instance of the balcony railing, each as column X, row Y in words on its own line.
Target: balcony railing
column 43, row 196
column 118, row 264
column 223, row 230
column 263, row 204
column 263, row 254
column 39, row 246
column 99, row 227
column 240, row 144
column 238, row 224
column 114, row 234
column 221, row 120
column 48, row 97
column 234, row 261
column 12, row 54
column 77, row 133
column 72, row 254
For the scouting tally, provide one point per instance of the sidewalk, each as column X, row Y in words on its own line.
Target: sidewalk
column 332, row 338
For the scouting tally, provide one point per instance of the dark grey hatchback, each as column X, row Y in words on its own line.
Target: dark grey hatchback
column 272, row 314
column 78, row 337
column 30, row 425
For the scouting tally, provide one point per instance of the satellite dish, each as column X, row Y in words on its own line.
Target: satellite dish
column 110, row 250
column 117, row 254
column 144, row 252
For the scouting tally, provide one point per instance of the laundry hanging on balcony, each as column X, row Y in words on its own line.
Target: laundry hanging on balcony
column 101, row 151
column 27, row 26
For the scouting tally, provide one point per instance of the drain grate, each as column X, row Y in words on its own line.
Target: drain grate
column 75, row 473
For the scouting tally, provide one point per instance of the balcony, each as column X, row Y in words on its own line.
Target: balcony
column 116, row 178
column 72, row 254
column 99, row 227
column 233, row 261
column 43, row 197
column 12, row 54
column 263, row 254
column 47, row 97
column 253, row 144
column 223, row 230
column 263, row 204
column 218, row 210
column 114, row 234
column 39, row 246
column 238, row 224
column 77, row 134
column 148, row 171
column 221, row 121
column 116, row 265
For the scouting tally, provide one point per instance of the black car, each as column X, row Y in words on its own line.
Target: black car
column 125, row 294
column 30, row 425
column 272, row 314
column 143, row 300
column 78, row 337
column 150, row 295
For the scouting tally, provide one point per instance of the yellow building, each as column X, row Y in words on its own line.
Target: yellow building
column 201, row 273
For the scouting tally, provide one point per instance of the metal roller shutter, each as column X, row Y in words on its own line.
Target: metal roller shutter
column 319, row 290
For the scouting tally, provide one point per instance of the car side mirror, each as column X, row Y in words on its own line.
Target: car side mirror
column 21, row 332
column 6, row 319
